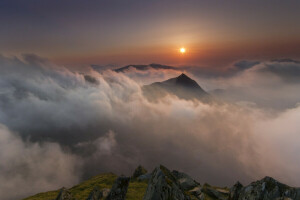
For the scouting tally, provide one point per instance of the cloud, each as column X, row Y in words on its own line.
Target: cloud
column 269, row 84
column 288, row 71
column 27, row 168
column 245, row 64
column 279, row 139
column 110, row 126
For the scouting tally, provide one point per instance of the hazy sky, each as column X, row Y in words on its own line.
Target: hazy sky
column 144, row 31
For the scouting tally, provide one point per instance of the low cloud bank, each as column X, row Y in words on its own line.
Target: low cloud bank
column 27, row 168
column 93, row 123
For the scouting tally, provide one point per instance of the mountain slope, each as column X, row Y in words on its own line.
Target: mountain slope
column 82, row 190
column 182, row 86
column 163, row 184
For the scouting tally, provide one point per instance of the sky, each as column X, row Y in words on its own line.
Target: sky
column 66, row 115
column 214, row 33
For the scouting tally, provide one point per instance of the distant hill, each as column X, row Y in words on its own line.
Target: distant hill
column 144, row 67
column 164, row 184
column 182, row 86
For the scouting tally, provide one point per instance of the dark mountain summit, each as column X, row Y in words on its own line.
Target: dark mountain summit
column 183, row 81
column 186, row 81
column 182, row 86
column 144, row 67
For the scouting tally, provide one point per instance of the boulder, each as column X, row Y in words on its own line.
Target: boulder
column 139, row 171
column 64, row 194
column 185, row 181
column 268, row 188
column 164, row 186
column 95, row 194
column 98, row 194
column 196, row 192
column 119, row 189
column 235, row 191
column 215, row 193
column 144, row 177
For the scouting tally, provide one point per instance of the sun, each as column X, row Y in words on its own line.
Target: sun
column 182, row 50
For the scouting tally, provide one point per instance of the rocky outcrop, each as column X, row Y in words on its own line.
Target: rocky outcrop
column 144, row 177
column 64, row 194
column 268, row 188
column 164, row 186
column 235, row 191
column 214, row 192
column 98, row 194
column 185, row 181
column 119, row 189
column 139, row 171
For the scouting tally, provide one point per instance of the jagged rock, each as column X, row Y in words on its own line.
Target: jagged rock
column 235, row 191
column 185, row 181
column 268, row 188
column 119, row 189
column 144, row 177
column 64, row 194
column 164, row 186
column 95, row 194
column 196, row 191
column 98, row 194
column 105, row 192
column 201, row 196
column 214, row 193
column 139, row 171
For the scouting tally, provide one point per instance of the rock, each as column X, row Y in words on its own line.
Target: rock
column 119, row 189
column 235, row 191
column 64, row 194
column 98, row 194
column 105, row 192
column 185, row 181
column 95, row 194
column 196, row 191
column 214, row 193
column 164, row 186
column 144, row 177
column 268, row 188
column 139, row 171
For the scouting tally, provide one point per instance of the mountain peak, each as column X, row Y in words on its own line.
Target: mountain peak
column 186, row 81
column 183, row 76
column 181, row 86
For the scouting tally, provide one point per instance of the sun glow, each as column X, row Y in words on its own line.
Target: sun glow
column 182, row 50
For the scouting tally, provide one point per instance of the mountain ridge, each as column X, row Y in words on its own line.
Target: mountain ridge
column 144, row 67
column 164, row 184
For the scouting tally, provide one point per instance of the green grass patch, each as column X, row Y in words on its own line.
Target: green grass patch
column 44, row 196
column 82, row 190
column 136, row 190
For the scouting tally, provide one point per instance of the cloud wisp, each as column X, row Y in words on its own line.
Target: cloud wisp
column 97, row 123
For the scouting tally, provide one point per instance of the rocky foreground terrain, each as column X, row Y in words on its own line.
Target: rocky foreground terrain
column 163, row 184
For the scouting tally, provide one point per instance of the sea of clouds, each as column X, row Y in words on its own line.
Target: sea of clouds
column 59, row 126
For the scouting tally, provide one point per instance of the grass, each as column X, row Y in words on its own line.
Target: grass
column 82, row 190
column 44, row 196
column 136, row 190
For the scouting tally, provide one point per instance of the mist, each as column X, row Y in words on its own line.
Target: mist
column 95, row 122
